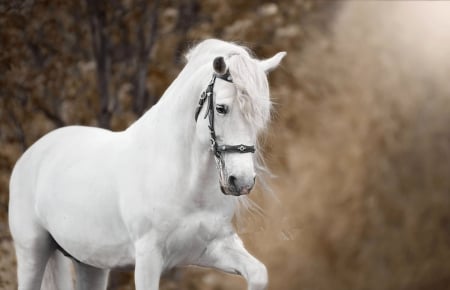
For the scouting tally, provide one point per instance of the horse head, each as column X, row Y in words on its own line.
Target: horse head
column 236, row 106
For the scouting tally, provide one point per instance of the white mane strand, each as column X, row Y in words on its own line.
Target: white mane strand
column 253, row 90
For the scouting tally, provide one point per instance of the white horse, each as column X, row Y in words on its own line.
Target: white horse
column 148, row 197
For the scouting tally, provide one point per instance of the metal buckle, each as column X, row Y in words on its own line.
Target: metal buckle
column 241, row 148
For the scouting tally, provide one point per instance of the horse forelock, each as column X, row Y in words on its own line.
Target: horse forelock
column 252, row 90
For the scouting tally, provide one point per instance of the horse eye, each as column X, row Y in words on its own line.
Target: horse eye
column 222, row 109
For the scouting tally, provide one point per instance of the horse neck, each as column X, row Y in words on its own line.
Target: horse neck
column 170, row 127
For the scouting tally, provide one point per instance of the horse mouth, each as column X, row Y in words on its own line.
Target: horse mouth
column 228, row 191
column 233, row 191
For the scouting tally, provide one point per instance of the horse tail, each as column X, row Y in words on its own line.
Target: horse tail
column 58, row 273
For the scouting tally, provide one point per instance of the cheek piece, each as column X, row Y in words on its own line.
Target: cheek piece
column 218, row 149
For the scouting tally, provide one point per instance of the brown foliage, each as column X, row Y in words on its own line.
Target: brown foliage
column 360, row 140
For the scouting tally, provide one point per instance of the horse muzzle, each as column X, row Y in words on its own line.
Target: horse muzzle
column 237, row 186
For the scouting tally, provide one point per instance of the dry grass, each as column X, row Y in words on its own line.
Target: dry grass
column 361, row 148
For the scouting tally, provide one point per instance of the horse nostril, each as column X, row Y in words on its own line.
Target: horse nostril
column 232, row 181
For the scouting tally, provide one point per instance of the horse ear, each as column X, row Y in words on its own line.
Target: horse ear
column 271, row 63
column 219, row 65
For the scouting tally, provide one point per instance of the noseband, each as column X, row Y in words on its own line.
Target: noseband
column 218, row 149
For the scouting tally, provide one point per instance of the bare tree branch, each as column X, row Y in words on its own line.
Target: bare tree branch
column 188, row 16
column 52, row 116
column 146, row 43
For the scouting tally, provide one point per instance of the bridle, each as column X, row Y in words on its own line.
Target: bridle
column 218, row 149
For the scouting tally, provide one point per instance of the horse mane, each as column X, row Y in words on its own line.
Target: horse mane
column 253, row 97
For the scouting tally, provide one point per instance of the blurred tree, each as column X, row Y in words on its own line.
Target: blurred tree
column 188, row 12
column 100, row 44
column 147, row 33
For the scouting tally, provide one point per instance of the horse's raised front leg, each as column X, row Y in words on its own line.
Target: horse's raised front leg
column 149, row 264
column 229, row 255
column 90, row 278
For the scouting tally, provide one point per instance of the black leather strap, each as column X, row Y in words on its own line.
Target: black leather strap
column 226, row 77
column 236, row 148
column 208, row 94
column 200, row 105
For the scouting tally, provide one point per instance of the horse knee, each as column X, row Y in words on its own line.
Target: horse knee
column 258, row 278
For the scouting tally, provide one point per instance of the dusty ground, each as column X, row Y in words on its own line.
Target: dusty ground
column 360, row 144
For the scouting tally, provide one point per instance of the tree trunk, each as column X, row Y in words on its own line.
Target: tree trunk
column 97, row 19
column 146, row 43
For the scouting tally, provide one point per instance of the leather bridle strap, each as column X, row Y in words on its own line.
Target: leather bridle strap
column 208, row 94
column 209, row 91
column 236, row 148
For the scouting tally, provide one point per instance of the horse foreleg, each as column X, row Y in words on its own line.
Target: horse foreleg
column 90, row 278
column 229, row 255
column 31, row 263
column 148, row 266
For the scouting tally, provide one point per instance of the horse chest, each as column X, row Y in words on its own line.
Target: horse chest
column 189, row 239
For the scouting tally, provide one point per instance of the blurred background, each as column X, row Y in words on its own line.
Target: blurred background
column 359, row 143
